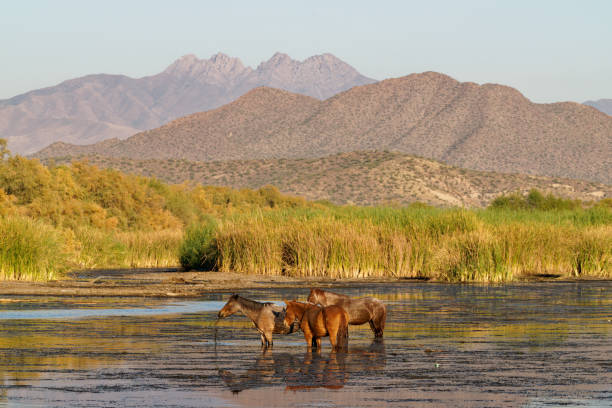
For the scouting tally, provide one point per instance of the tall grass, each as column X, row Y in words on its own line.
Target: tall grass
column 151, row 249
column 455, row 245
column 128, row 249
column 30, row 250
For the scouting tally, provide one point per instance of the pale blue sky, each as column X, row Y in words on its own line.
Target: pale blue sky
column 549, row 50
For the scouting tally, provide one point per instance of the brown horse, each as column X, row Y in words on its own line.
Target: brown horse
column 317, row 322
column 360, row 310
column 267, row 317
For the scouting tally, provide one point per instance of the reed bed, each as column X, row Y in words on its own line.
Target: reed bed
column 454, row 245
column 30, row 250
column 128, row 249
column 153, row 249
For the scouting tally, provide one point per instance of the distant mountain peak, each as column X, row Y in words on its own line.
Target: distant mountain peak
column 95, row 107
column 217, row 68
column 188, row 58
column 280, row 57
column 602, row 105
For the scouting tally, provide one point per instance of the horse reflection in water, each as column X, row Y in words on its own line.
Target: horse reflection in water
column 312, row 370
column 316, row 371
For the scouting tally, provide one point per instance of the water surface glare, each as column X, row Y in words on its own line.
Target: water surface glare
column 533, row 345
column 70, row 313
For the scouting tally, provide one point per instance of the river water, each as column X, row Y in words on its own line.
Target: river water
column 532, row 345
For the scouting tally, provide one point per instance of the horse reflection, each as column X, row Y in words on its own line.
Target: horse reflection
column 317, row 371
column 311, row 370
column 263, row 372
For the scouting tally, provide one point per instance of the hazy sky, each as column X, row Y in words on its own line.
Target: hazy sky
column 549, row 50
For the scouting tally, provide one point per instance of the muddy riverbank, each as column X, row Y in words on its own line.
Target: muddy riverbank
column 163, row 282
column 175, row 283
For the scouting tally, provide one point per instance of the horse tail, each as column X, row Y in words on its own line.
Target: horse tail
column 342, row 335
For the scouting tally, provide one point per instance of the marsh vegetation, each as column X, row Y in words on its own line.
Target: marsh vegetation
column 56, row 218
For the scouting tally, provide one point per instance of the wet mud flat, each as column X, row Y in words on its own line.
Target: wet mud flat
column 531, row 344
column 159, row 282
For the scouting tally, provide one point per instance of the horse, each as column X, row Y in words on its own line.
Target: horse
column 360, row 310
column 267, row 317
column 316, row 322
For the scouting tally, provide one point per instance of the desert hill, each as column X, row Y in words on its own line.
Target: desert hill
column 363, row 178
column 483, row 127
column 97, row 107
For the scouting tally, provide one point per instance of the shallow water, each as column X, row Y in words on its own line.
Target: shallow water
column 540, row 344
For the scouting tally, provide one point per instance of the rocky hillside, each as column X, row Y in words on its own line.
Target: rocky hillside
column 482, row 127
column 97, row 107
column 364, row 178
column 604, row 105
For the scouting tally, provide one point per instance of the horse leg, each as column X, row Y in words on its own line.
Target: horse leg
column 318, row 343
column 269, row 342
column 373, row 327
column 378, row 321
column 310, row 342
column 333, row 337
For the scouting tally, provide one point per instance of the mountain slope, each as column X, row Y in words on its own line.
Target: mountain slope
column 97, row 107
column 363, row 178
column 482, row 127
column 604, row 105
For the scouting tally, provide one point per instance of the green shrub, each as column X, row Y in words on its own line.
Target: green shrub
column 199, row 249
column 534, row 200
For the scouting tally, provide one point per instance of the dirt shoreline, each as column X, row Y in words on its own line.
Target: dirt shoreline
column 166, row 282
column 175, row 283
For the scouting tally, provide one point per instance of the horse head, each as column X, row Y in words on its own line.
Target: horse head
column 293, row 313
column 316, row 297
column 231, row 307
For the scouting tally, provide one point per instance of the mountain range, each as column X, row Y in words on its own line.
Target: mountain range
column 604, row 105
column 97, row 107
column 482, row 127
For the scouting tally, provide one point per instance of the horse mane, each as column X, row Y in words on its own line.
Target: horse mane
column 251, row 305
column 304, row 305
column 330, row 292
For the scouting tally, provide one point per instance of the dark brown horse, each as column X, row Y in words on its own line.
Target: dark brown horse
column 267, row 317
column 362, row 310
column 317, row 322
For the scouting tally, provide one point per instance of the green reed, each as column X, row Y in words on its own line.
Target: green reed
column 447, row 244
column 30, row 250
